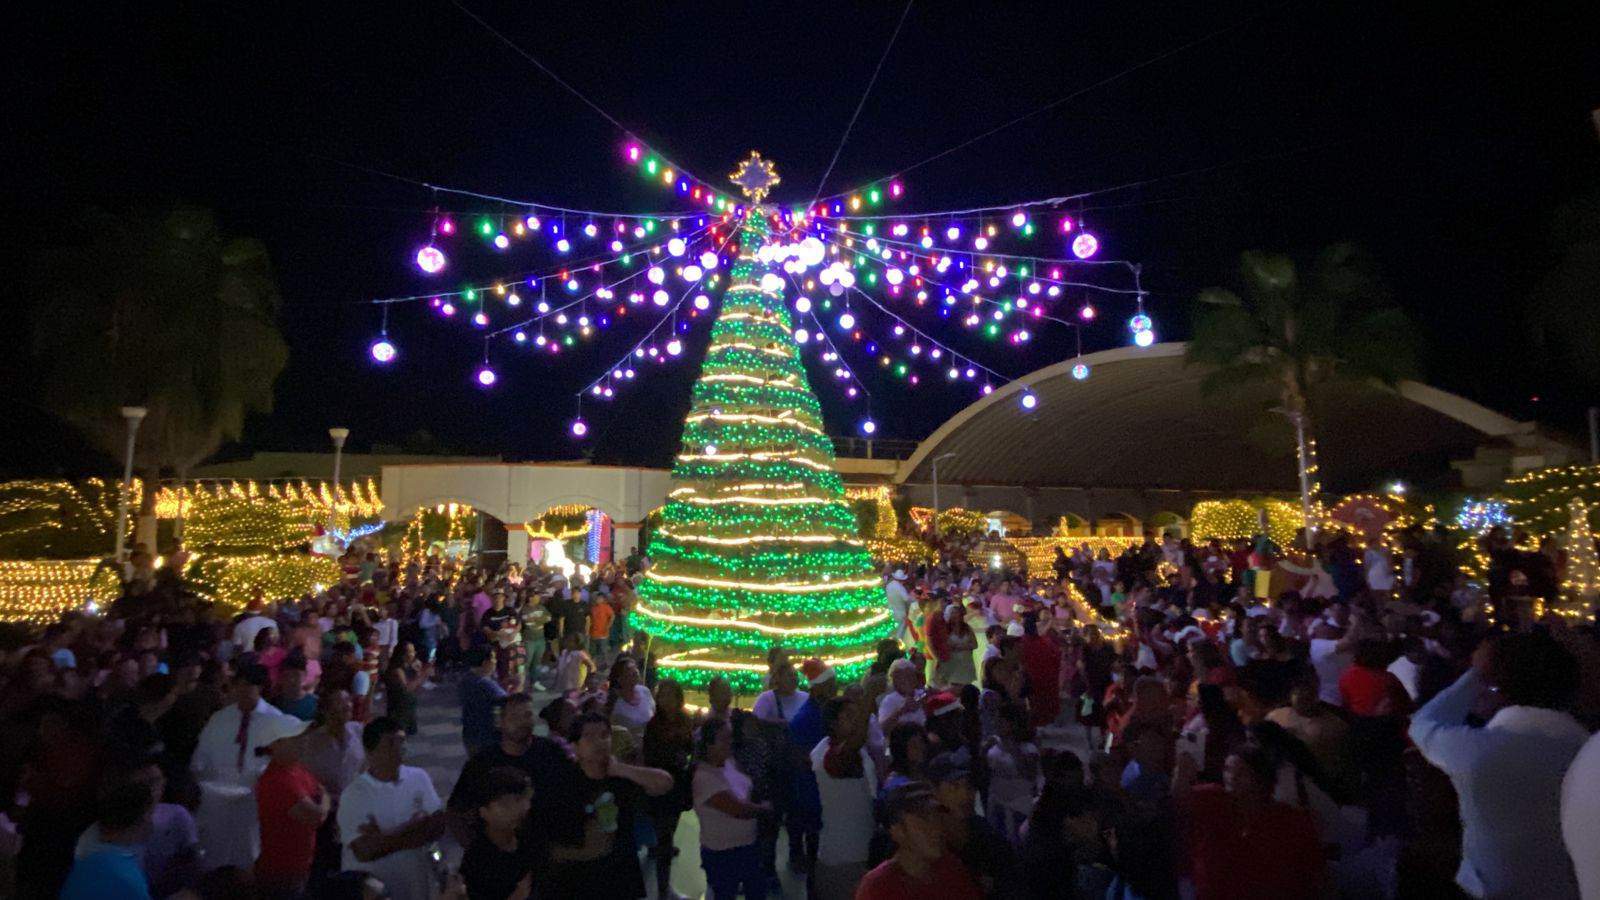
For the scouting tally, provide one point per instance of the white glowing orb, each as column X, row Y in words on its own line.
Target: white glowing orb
column 430, row 259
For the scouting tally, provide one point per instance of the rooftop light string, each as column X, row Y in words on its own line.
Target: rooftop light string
column 973, row 255
column 828, row 341
column 586, row 297
column 953, row 251
column 863, row 101
column 919, row 332
column 589, row 262
column 670, row 314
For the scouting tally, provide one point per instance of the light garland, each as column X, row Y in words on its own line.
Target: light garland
column 779, row 587
column 1580, row 583
column 39, row 590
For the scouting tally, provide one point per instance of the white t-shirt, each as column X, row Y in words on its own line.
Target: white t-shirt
column 769, row 707
column 893, row 701
column 1379, row 569
column 408, row 874
column 388, row 632
column 718, row 830
column 1409, row 674
column 1330, row 664
column 244, row 633
column 846, row 810
column 636, row 714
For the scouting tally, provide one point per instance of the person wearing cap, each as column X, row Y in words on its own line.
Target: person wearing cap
column 226, row 764
column 899, row 600
column 922, row 865
column 291, row 805
column 988, row 856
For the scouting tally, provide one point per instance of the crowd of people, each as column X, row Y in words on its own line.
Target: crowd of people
column 1178, row 720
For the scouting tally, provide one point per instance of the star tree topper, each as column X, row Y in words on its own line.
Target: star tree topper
column 755, row 176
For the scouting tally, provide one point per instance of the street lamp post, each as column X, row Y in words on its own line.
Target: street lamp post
column 133, row 415
column 339, row 435
column 936, row 461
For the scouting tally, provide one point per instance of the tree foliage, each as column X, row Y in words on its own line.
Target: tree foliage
column 1296, row 328
column 160, row 310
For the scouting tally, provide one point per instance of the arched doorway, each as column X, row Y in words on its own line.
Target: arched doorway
column 448, row 529
column 569, row 536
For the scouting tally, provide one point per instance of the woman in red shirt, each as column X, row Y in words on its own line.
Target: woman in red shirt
column 1242, row 844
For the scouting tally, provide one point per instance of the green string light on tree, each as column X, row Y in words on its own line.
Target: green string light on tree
column 757, row 543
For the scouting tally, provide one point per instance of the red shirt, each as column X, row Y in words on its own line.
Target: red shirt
column 1364, row 690
column 947, row 879
column 1275, row 853
column 286, row 845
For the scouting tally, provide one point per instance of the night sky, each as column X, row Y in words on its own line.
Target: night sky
column 1441, row 143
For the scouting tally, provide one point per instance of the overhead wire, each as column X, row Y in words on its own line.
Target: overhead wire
column 863, row 101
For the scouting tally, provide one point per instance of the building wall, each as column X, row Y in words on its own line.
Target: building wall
column 514, row 493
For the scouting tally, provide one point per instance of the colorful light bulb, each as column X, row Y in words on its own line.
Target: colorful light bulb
column 486, row 376
column 1145, row 338
column 430, row 259
column 579, row 428
column 868, row 426
column 1080, row 371
column 382, row 350
column 1085, row 245
column 1029, row 400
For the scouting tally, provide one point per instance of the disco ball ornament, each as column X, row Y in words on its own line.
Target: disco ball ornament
column 1080, row 371
column 430, row 259
column 382, row 350
column 1085, row 245
column 1145, row 338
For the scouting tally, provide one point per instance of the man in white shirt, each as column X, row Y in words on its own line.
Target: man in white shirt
column 255, row 622
column 390, row 815
column 783, row 700
column 1580, row 817
column 1333, row 650
column 1508, row 774
column 1379, row 569
column 847, row 782
column 899, row 604
column 226, row 763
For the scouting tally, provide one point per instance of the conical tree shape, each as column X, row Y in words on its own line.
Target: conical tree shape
column 757, row 545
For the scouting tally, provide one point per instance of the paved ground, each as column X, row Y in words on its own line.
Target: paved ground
column 437, row 748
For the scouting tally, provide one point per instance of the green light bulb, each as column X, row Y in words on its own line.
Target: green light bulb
column 485, row 228
column 650, row 166
column 471, row 294
column 874, row 196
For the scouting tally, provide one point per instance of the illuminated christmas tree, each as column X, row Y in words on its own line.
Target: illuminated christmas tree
column 757, row 545
column 1581, row 586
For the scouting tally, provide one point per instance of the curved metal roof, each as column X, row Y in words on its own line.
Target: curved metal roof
column 1139, row 421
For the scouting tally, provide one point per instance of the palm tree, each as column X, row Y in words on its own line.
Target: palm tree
column 1295, row 332
column 157, row 309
